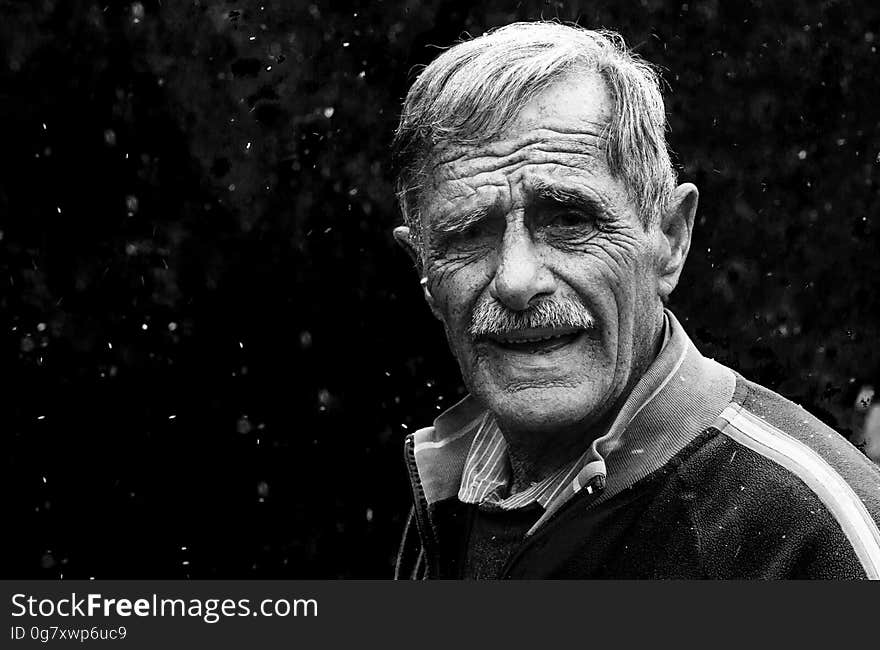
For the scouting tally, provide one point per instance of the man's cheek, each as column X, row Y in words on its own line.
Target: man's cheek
column 445, row 307
column 454, row 318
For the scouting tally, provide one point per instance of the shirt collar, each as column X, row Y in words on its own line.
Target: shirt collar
column 487, row 475
column 678, row 397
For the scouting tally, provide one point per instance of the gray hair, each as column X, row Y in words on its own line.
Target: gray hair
column 475, row 89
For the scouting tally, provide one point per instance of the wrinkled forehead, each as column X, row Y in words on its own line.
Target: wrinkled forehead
column 569, row 149
column 563, row 129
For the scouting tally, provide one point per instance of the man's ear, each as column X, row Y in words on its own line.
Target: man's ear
column 403, row 236
column 676, row 226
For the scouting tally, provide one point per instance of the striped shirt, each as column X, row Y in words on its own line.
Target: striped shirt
column 487, row 474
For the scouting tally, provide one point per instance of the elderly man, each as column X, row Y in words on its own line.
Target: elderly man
column 543, row 216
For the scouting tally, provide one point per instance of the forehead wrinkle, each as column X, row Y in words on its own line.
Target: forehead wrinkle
column 579, row 167
column 458, row 174
column 495, row 188
column 587, row 140
column 474, row 170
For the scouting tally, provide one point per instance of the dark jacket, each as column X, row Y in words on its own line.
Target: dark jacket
column 749, row 487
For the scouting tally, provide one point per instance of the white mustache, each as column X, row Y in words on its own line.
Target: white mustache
column 493, row 318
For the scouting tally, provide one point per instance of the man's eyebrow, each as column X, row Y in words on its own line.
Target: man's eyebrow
column 556, row 193
column 455, row 222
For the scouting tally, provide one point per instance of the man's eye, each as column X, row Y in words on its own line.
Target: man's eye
column 475, row 234
column 476, row 231
column 568, row 219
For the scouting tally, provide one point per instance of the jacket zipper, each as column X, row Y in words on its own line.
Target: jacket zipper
column 420, row 507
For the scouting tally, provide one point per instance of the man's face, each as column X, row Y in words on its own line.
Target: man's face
column 539, row 266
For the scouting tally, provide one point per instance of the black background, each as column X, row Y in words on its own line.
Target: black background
column 212, row 349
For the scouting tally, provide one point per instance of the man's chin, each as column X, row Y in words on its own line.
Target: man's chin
column 558, row 386
column 546, row 408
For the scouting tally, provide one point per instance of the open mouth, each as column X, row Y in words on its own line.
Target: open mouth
column 535, row 341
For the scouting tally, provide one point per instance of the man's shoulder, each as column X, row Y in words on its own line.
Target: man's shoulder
column 780, row 482
column 778, row 434
column 792, row 437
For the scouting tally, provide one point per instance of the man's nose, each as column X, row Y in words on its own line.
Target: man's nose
column 521, row 275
